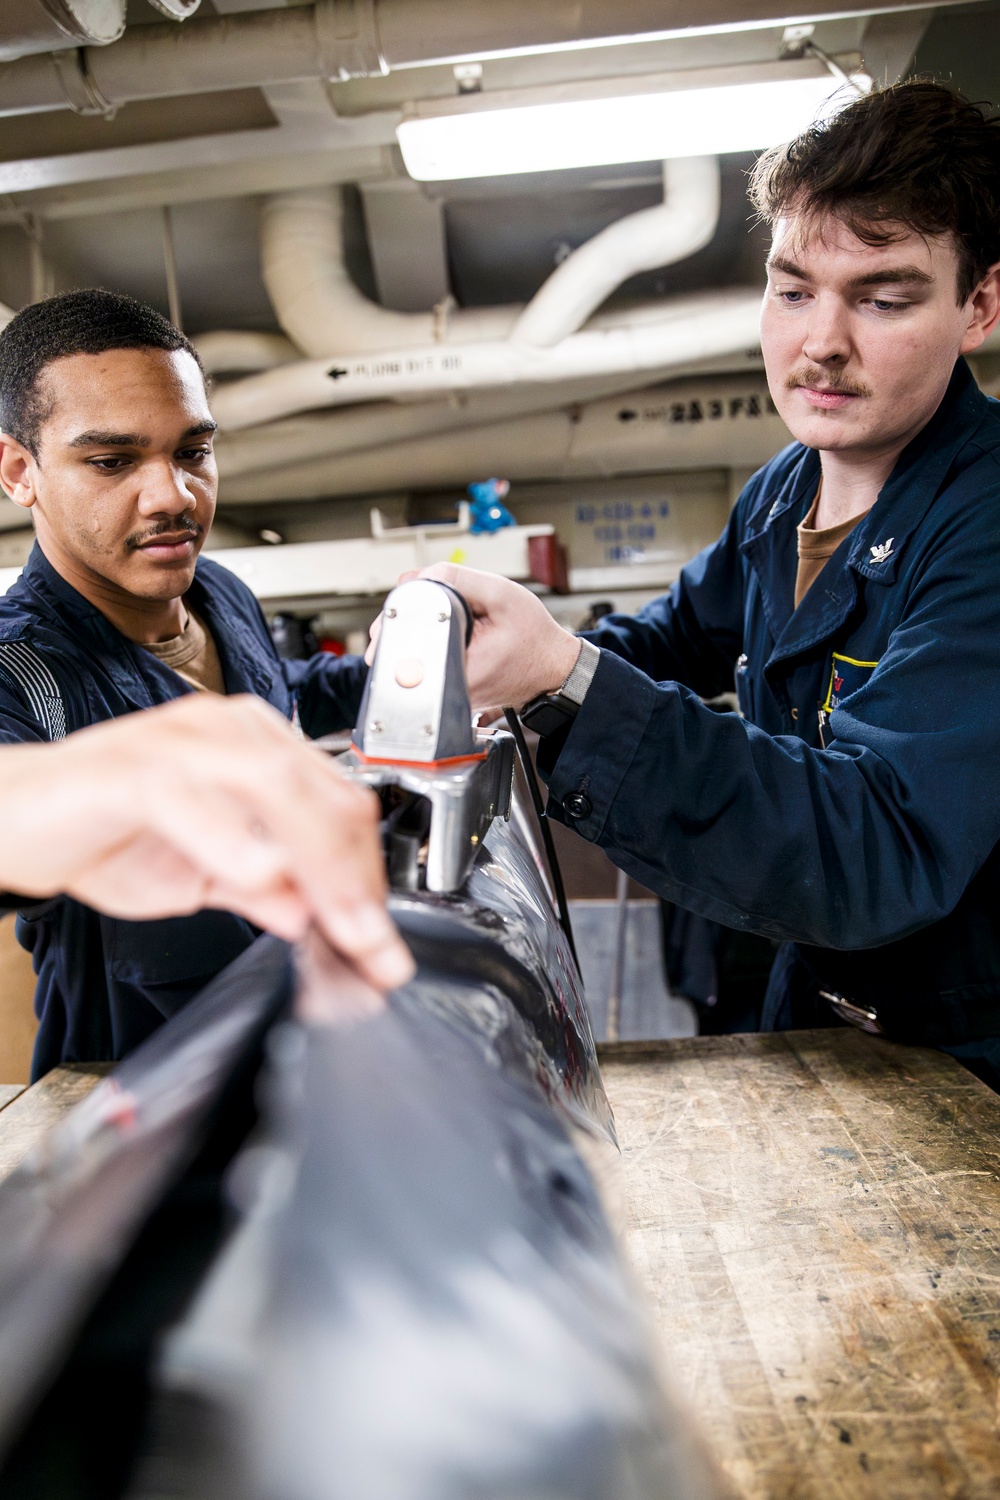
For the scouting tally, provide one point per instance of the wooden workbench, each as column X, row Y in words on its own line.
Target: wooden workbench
column 816, row 1217
column 27, row 1113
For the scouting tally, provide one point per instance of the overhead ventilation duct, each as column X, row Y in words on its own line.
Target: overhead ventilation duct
column 320, row 308
column 699, row 327
column 363, row 352
column 51, row 25
column 317, row 303
column 682, row 224
column 343, row 39
column 388, row 34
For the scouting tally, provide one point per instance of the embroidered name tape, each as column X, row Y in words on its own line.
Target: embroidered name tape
column 846, row 676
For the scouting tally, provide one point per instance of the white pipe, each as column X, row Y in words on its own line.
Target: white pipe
column 684, row 222
column 162, row 61
column 324, row 313
column 28, row 26
column 320, row 308
column 313, row 435
column 712, row 423
column 238, row 350
column 317, row 303
column 691, row 328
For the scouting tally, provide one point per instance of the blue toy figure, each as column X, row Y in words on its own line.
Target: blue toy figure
column 487, row 511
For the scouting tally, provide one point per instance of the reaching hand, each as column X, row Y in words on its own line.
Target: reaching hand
column 517, row 650
column 203, row 802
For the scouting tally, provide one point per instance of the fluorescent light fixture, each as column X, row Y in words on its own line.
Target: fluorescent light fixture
column 486, row 142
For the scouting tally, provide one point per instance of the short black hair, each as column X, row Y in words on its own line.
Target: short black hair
column 84, row 322
column 916, row 155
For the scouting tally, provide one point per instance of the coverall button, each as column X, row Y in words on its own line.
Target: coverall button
column 577, row 805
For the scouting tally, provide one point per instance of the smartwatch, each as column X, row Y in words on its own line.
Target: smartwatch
column 550, row 712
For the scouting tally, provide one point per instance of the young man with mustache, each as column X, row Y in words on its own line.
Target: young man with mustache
column 853, row 811
column 107, row 441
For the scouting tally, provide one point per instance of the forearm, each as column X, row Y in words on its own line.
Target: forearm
column 205, row 802
column 667, row 643
column 691, row 635
column 758, row 832
column 61, row 805
column 328, row 690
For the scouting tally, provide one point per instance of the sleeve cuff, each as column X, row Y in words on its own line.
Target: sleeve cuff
column 587, row 769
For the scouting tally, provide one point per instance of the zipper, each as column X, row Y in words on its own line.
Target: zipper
column 824, row 719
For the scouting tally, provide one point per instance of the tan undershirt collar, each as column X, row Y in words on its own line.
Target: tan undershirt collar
column 816, row 547
column 192, row 655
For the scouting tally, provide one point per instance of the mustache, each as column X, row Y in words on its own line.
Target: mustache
column 183, row 524
column 826, row 380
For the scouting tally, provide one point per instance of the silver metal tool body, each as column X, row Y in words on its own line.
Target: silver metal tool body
column 415, row 732
column 464, row 800
column 416, row 701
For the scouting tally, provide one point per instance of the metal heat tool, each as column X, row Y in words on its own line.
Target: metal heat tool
column 415, row 735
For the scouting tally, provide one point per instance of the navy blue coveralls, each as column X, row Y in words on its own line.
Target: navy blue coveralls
column 104, row 984
column 853, row 812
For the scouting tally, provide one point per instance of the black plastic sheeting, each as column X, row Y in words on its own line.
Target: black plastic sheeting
column 71, row 1213
column 403, row 1287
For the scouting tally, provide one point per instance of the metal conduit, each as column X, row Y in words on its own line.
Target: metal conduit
column 413, row 33
column 359, row 38
column 48, row 25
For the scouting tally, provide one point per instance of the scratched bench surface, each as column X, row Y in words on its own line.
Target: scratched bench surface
column 816, row 1217
column 26, row 1114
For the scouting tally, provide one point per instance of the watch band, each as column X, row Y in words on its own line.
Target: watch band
column 578, row 682
column 550, row 712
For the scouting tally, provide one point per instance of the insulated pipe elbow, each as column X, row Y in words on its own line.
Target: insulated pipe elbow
column 698, row 327
column 324, row 313
column 683, row 223
column 315, row 300
column 317, row 303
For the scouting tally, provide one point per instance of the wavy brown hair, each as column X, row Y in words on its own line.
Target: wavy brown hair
column 916, row 156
